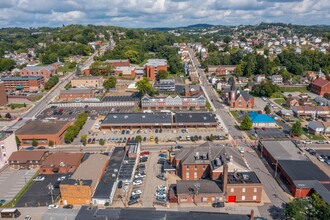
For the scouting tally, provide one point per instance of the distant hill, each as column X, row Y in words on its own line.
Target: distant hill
column 186, row 27
column 199, row 26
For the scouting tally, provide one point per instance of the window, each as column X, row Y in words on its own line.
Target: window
column 243, row 198
column 204, row 199
column 243, row 190
column 187, row 175
column 232, row 190
column 195, row 167
column 213, row 199
column 204, row 167
column 240, row 103
column 183, row 199
column 255, row 189
column 195, row 175
column 254, row 198
column 187, row 167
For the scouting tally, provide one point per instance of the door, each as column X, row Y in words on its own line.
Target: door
column 231, row 198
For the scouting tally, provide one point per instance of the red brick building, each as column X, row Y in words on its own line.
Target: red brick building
column 61, row 162
column 153, row 66
column 27, row 159
column 57, row 64
column 240, row 99
column 72, row 94
column 25, row 83
column 320, row 86
column 3, row 94
column 126, row 71
column 119, row 63
column 44, row 71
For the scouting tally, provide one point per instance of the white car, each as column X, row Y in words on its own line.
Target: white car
column 39, row 179
column 161, row 187
column 307, row 142
column 139, row 175
column 137, row 182
column 27, row 217
column 320, row 158
column 136, row 192
column 53, row 206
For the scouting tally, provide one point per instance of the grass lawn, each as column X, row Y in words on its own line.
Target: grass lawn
column 312, row 136
column 280, row 101
column 234, row 114
column 16, row 105
column 302, row 89
column 66, row 68
column 37, row 98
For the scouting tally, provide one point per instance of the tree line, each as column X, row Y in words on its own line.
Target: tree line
column 74, row 129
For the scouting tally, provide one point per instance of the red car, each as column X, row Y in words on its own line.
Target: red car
column 144, row 153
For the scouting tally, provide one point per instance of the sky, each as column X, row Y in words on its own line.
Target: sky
column 161, row 13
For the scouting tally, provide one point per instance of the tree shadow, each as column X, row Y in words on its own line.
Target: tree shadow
column 276, row 212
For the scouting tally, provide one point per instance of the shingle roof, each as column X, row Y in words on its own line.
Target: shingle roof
column 67, row 158
column 24, row 155
column 315, row 124
column 38, row 68
column 320, row 82
column 260, row 118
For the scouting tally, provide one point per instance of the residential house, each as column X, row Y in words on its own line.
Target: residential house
column 8, row 145
column 27, row 159
column 311, row 111
column 286, row 114
column 315, row 127
column 277, row 79
column 259, row 78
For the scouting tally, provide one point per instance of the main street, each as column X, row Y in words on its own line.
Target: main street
column 42, row 103
column 277, row 196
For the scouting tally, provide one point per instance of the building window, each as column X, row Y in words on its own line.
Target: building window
column 232, row 190
column 243, row 190
column 240, row 103
column 183, row 199
column 195, row 167
column 195, row 175
column 243, row 198
column 204, row 167
column 187, row 167
column 254, row 198
column 213, row 199
column 187, row 175
column 204, row 199
column 255, row 189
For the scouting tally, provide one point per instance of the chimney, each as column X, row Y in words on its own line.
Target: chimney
column 224, row 178
column 252, row 214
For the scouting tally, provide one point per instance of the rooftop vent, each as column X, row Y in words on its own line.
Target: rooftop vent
column 204, row 118
column 115, row 116
column 246, row 177
column 126, row 116
column 143, row 116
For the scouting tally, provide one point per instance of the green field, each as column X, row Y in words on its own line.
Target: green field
column 302, row 89
column 234, row 114
column 16, row 105
column 280, row 101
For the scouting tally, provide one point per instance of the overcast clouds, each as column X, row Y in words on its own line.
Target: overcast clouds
column 161, row 13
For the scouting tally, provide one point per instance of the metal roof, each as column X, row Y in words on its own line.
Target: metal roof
column 138, row 118
column 192, row 117
column 260, row 118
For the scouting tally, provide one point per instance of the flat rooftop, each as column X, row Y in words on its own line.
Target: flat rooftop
column 283, row 150
column 104, row 188
column 87, row 78
column 303, row 170
column 69, row 91
column 156, row 62
column 76, row 182
column 205, row 186
column 138, row 118
column 195, row 117
column 92, row 168
column 40, row 127
column 243, row 178
column 87, row 213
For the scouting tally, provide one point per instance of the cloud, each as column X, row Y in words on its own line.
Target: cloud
column 161, row 13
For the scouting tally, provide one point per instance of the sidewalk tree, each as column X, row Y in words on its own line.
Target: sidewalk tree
column 34, row 142
column 145, row 87
column 83, row 139
column 267, row 109
column 297, row 129
column 18, row 142
column 101, row 142
column 8, row 116
column 110, row 83
column 246, row 123
column 138, row 138
column 50, row 143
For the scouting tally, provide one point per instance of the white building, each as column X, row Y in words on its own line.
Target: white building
column 8, row 145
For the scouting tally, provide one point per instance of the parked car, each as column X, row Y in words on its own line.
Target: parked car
column 161, row 176
column 39, row 178
column 53, row 206
column 218, row 205
column 162, row 155
column 135, row 197
column 178, row 147
column 132, row 202
column 307, row 142
column 136, row 192
column 123, row 132
column 120, row 184
column 161, row 198
column 69, row 206
column 2, row 201
column 27, row 217
column 320, row 142
column 161, row 161
column 137, row 182
column 320, row 158
column 144, row 153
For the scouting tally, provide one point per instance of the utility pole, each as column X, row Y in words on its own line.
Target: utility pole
column 51, row 188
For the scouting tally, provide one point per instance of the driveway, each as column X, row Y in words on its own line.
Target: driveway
column 12, row 181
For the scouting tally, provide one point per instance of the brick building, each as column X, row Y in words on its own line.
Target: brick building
column 87, row 82
column 153, row 66
column 27, row 159
column 238, row 99
column 311, row 111
column 3, row 94
column 61, row 162
column 320, row 86
column 221, row 69
column 126, row 71
column 8, row 145
column 91, row 170
column 207, row 160
column 44, row 71
column 26, row 83
column 76, row 94
column 173, row 103
column 42, row 132
column 118, row 63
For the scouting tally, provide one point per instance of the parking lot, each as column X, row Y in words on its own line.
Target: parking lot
column 71, row 113
column 39, row 193
column 12, row 181
column 269, row 133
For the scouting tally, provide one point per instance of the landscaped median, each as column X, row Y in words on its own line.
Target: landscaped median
column 21, row 193
column 74, row 129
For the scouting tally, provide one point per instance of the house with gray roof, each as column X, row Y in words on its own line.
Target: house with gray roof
column 44, row 71
column 315, row 127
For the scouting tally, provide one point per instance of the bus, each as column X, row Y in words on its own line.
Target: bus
column 10, row 213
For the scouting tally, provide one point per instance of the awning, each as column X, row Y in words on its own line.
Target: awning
column 19, row 87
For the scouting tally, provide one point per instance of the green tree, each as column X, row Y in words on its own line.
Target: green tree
column 162, row 74
column 145, row 87
column 110, row 83
column 18, row 142
column 227, row 39
column 267, row 109
column 101, row 142
column 296, row 209
column 6, row 64
column 83, row 139
column 138, row 138
column 297, row 129
column 51, row 143
column 246, row 124
column 8, row 116
column 34, row 142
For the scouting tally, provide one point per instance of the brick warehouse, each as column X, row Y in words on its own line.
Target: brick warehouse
column 44, row 71
column 3, row 94
column 72, row 94
column 28, row 83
